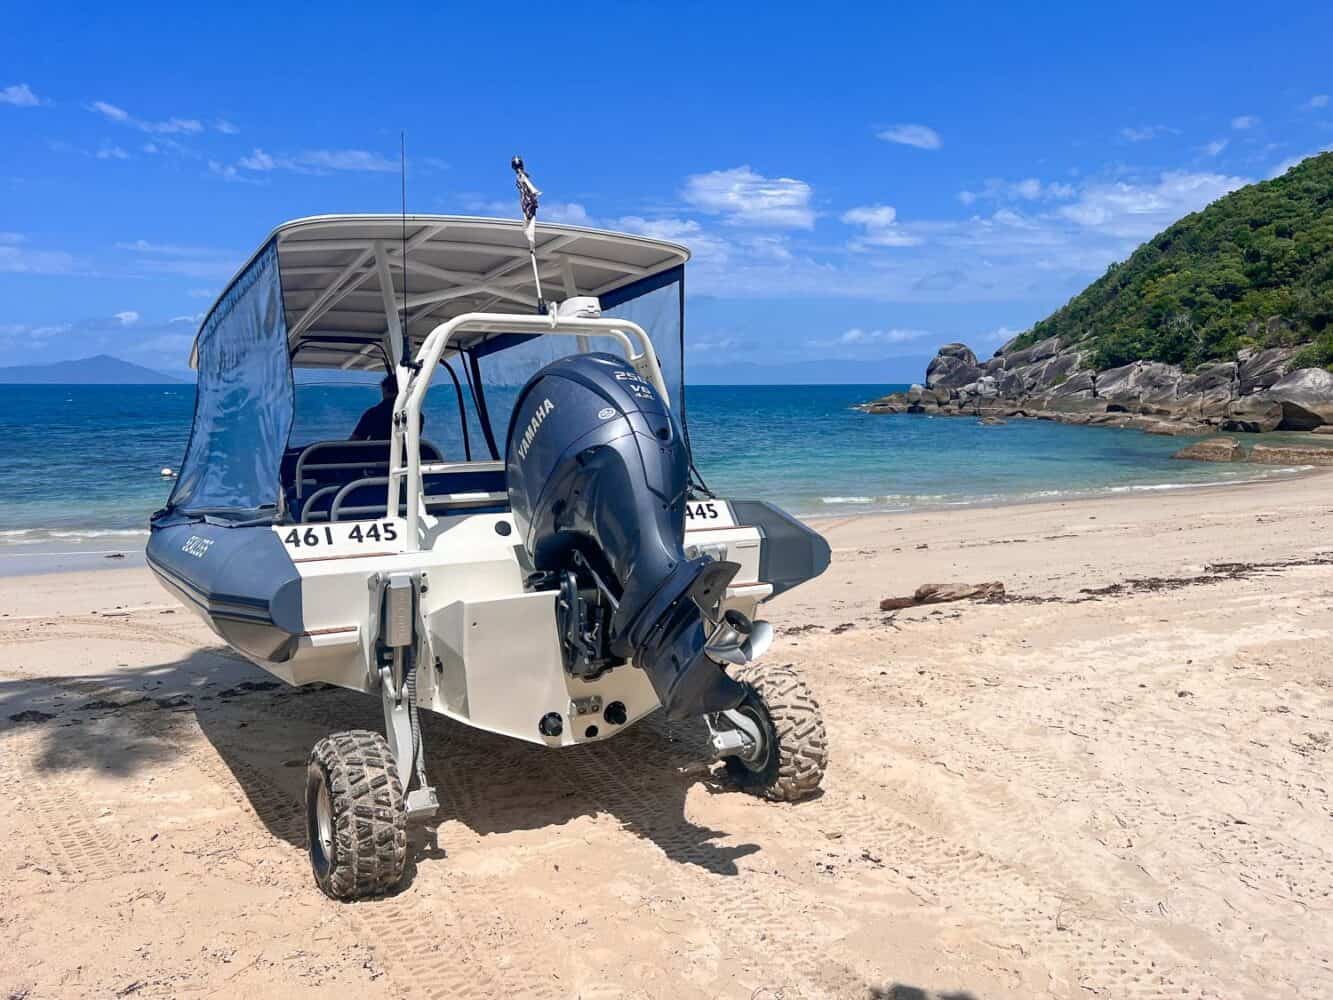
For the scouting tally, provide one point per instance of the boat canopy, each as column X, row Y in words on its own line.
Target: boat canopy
column 338, row 274
column 361, row 292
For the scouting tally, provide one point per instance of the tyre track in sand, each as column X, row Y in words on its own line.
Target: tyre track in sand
column 422, row 938
column 1034, row 901
column 485, row 781
column 67, row 832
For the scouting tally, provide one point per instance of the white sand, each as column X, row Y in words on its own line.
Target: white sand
column 1124, row 795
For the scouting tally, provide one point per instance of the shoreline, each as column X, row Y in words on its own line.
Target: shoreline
column 41, row 558
column 1279, row 476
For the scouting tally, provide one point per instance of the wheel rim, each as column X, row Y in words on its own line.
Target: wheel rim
column 324, row 821
column 759, row 761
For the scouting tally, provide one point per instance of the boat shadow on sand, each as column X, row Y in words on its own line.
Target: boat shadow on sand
column 253, row 734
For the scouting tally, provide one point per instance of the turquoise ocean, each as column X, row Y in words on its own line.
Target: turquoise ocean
column 80, row 465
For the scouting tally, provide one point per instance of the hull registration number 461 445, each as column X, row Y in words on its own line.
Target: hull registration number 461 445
column 309, row 536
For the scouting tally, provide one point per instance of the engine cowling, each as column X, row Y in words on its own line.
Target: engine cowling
column 597, row 475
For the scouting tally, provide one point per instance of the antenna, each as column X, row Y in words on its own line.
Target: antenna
column 527, row 201
column 402, row 169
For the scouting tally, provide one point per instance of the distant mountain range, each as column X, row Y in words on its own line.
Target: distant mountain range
column 100, row 370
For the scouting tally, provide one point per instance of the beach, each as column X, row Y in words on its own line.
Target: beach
column 1114, row 782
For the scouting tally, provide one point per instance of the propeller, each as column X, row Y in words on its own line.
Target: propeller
column 738, row 640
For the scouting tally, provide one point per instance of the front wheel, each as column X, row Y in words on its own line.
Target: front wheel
column 356, row 821
column 790, row 764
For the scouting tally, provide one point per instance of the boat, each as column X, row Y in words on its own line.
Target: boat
column 552, row 569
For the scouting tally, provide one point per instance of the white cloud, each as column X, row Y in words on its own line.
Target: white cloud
column 1281, row 168
column 127, row 318
column 164, row 249
column 27, row 335
column 1146, row 133
column 112, row 153
column 165, row 350
column 716, row 344
column 659, row 229
column 19, row 95
column 228, row 172
column 1243, row 122
column 348, row 159
column 311, row 161
column 1318, row 101
column 861, row 344
column 920, row 136
column 1215, row 147
column 1138, row 211
column 110, row 111
column 17, row 258
column 225, row 127
column 880, row 228
column 258, row 160
column 168, row 126
column 190, row 261
column 570, row 213
column 706, row 249
column 1028, row 189
column 998, row 336
column 894, row 336
column 745, row 198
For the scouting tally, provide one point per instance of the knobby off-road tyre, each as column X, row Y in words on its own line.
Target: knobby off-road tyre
column 797, row 752
column 356, row 823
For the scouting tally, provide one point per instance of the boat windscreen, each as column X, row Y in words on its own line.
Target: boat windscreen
column 243, row 403
column 655, row 303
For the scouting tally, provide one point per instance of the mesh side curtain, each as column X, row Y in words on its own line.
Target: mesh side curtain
column 656, row 305
column 653, row 303
column 243, row 402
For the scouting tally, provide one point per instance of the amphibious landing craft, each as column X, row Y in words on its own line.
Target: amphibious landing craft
column 545, row 564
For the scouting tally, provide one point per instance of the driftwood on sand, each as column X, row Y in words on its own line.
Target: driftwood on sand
column 939, row 593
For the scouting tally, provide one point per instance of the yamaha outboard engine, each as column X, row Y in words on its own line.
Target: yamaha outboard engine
column 597, row 473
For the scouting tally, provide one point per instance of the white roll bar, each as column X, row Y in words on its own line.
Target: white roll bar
column 405, row 462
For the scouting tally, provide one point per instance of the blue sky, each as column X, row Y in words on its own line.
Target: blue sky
column 857, row 184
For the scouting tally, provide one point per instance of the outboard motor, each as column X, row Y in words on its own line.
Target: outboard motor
column 597, row 473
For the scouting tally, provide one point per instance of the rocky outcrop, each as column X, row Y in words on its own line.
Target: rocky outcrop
column 1260, row 369
column 1055, row 380
column 1291, row 454
column 1306, row 398
column 1214, row 386
column 955, row 365
column 1219, row 449
column 1252, row 415
column 1149, row 385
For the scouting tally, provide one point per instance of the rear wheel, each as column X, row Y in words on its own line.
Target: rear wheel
column 790, row 764
column 355, row 815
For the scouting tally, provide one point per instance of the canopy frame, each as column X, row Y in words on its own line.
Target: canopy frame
column 351, row 281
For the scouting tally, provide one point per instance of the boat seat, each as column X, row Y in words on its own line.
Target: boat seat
column 307, row 470
column 319, row 505
column 458, row 491
column 325, row 462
